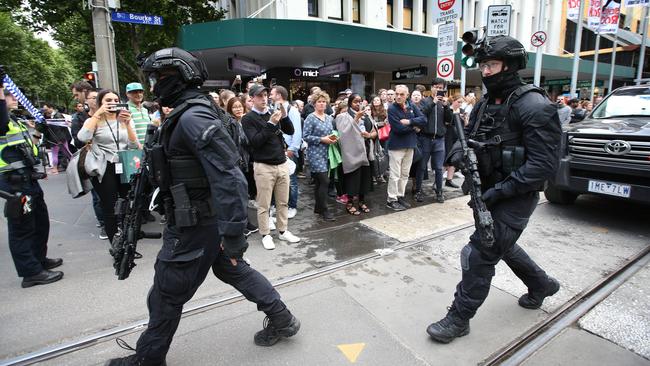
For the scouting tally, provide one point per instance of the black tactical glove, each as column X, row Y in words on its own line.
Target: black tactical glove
column 234, row 246
column 492, row 196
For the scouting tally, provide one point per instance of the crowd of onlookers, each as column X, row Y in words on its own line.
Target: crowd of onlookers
column 345, row 146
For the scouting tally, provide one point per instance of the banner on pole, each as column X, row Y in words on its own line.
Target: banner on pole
column 573, row 9
column 609, row 18
column 593, row 14
column 637, row 2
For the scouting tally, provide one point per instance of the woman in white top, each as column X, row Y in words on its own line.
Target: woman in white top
column 109, row 132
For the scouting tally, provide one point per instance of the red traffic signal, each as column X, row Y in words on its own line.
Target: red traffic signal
column 91, row 77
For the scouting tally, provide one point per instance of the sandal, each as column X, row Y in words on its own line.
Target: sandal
column 363, row 208
column 351, row 210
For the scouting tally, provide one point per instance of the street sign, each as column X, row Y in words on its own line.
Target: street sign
column 243, row 67
column 538, row 38
column 342, row 67
column 216, row 84
column 447, row 39
column 412, row 73
column 446, row 10
column 445, row 68
column 136, row 18
column 498, row 20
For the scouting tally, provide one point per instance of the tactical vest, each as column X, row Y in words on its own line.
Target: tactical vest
column 17, row 137
column 175, row 175
column 499, row 149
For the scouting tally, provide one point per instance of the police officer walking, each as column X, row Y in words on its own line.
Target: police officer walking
column 26, row 212
column 519, row 132
column 195, row 162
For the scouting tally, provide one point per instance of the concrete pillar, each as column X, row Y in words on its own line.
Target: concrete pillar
column 322, row 9
column 364, row 11
column 418, row 21
column 429, row 19
column 398, row 14
column 470, row 14
column 347, row 11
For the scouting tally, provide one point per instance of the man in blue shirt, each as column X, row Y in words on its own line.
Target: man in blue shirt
column 402, row 141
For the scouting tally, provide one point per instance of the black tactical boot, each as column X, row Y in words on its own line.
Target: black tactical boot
column 42, row 278
column 533, row 300
column 132, row 360
column 282, row 325
column 448, row 328
column 50, row 263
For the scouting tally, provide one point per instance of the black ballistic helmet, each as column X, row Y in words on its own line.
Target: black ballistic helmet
column 504, row 48
column 192, row 70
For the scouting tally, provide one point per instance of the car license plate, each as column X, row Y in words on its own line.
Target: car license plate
column 612, row 189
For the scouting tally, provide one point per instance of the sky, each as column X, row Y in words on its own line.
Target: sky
column 48, row 38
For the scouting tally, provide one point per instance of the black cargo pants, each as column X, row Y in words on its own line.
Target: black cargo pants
column 478, row 262
column 175, row 282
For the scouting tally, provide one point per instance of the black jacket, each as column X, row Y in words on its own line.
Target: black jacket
column 200, row 134
column 265, row 139
column 438, row 118
column 78, row 120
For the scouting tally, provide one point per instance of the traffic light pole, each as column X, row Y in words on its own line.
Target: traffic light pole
column 104, row 45
column 595, row 70
column 576, row 50
column 539, row 55
column 463, row 71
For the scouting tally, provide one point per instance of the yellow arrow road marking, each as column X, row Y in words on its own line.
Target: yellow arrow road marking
column 351, row 351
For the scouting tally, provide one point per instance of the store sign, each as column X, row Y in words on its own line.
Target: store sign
column 216, row 84
column 335, row 69
column 446, row 10
column 580, row 83
column 637, row 2
column 573, row 9
column 243, row 67
column 416, row 72
column 301, row 72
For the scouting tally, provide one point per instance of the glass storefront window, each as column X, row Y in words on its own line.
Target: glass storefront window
column 312, row 8
column 356, row 11
column 408, row 19
column 389, row 13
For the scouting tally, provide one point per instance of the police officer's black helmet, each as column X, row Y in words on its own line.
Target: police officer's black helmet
column 504, row 48
column 188, row 66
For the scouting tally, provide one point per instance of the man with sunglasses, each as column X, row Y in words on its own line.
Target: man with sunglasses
column 517, row 133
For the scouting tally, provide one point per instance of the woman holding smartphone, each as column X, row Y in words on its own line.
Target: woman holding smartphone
column 318, row 135
column 109, row 131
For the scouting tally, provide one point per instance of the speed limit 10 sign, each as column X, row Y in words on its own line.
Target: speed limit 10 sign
column 445, row 69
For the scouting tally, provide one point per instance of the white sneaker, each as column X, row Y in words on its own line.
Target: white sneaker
column 272, row 224
column 288, row 236
column 267, row 242
column 459, row 175
column 291, row 212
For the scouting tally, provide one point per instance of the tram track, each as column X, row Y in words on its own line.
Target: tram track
column 512, row 354
column 534, row 339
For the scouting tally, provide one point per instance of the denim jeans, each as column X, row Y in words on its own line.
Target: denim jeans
column 293, row 185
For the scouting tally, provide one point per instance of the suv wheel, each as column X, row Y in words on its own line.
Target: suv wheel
column 557, row 195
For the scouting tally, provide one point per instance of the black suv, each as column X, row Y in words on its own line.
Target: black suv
column 608, row 152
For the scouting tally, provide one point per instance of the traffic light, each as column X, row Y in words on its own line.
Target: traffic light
column 471, row 41
column 91, row 78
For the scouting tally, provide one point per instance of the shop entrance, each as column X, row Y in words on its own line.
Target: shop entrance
column 299, row 88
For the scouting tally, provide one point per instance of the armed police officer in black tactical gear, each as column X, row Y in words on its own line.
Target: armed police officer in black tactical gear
column 25, row 209
column 515, row 133
column 204, row 193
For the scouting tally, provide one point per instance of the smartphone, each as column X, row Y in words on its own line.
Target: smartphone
column 120, row 107
column 441, row 93
column 238, row 77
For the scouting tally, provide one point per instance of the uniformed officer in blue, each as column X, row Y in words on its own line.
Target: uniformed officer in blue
column 518, row 134
column 27, row 216
column 195, row 163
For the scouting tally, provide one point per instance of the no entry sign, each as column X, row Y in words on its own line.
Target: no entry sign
column 538, row 39
column 445, row 68
column 446, row 10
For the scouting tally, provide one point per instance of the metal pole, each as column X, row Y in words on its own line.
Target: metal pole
column 595, row 69
column 463, row 71
column 576, row 50
column 644, row 35
column 539, row 55
column 104, row 45
column 611, row 69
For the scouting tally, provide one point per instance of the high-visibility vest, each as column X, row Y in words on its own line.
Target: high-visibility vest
column 17, row 135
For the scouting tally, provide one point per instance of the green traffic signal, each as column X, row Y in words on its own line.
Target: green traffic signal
column 468, row 62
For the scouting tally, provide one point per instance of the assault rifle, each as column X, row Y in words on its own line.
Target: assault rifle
column 130, row 211
column 482, row 217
